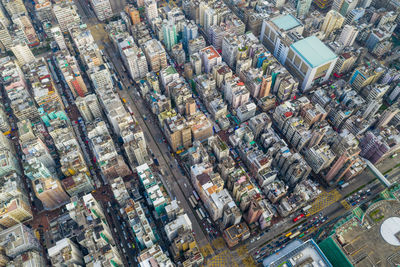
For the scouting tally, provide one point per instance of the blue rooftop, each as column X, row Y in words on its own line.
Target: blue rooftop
column 313, row 51
column 286, row 22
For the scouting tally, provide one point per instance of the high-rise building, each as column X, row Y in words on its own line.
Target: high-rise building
column 348, row 35
column 372, row 148
column 101, row 77
column 365, row 75
column 5, row 37
column 26, row 27
column 387, row 116
column 302, row 8
column 133, row 57
column 58, row 37
column 22, row 52
column 133, row 14
column 15, row 7
column 66, row 15
column 102, row 8
column 311, row 61
column 178, row 133
column 210, row 58
column 151, row 9
column 65, row 251
column 3, row 17
column 333, row 20
column 170, row 35
column 89, row 107
column 344, row 6
column 155, row 55
column 70, row 69
column 279, row 33
column 190, row 32
column 345, row 63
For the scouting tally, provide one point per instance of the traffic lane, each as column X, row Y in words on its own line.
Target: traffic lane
column 333, row 212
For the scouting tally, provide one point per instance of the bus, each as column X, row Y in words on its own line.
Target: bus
column 194, row 200
column 202, row 212
column 301, row 235
column 295, row 234
column 191, row 203
column 196, row 196
column 288, row 234
column 199, row 214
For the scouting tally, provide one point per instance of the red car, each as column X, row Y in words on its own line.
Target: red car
column 298, row 217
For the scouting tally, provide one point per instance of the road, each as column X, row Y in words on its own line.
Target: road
column 173, row 179
column 334, row 212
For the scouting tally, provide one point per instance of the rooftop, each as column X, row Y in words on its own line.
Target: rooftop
column 286, row 22
column 313, row 51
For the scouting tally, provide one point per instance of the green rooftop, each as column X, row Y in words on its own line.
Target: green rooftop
column 170, row 70
column 313, row 51
column 334, row 254
column 286, row 22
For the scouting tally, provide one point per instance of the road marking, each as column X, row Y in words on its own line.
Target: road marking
column 324, row 200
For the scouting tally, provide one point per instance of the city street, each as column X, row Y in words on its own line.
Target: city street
column 173, row 179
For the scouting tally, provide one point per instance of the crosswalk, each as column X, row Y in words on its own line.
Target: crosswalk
column 345, row 204
column 324, row 200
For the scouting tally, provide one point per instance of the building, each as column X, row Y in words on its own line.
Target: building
column 344, row 6
column 178, row 132
column 279, row 33
column 15, row 7
column 155, row 55
column 133, row 14
column 372, row 148
column 210, row 58
column 65, row 251
column 181, row 222
column 153, row 185
column 154, row 256
column 351, row 243
column 22, row 52
column 5, row 37
column 133, row 57
column 58, row 37
column 387, row 116
column 333, row 21
column 151, row 9
column 18, row 240
column 236, row 233
column 348, row 35
column 364, row 75
column 24, row 24
column 298, row 252
column 169, row 34
column 302, row 8
column 311, row 61
column 70, row 70
column 102, row 8
column 345, row 62
column 89, row 107
column 67, row 16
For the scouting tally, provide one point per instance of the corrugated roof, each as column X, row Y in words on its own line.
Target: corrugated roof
column 313, row 51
